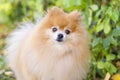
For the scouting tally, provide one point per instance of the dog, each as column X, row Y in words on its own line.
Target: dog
column 57, row 48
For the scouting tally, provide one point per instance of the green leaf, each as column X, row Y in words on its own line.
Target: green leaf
column 94, row 7
column 110, row 57
column 110, row 67
column 100, row 64
column 66, row 3
column 96, row 41
column 115, row 15
column 107, row 28
column 99, row 27
column 109, row 40
column 114, row 41
column 106, row 42
column 90, row 17
column 116, row 32
column 113, row 69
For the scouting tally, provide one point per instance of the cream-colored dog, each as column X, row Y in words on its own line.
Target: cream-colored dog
column 55, row 49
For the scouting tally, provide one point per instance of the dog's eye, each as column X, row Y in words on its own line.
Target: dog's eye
column 67, row 31
column 54, row 29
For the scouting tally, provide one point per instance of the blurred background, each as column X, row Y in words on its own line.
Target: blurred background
column 101, row 18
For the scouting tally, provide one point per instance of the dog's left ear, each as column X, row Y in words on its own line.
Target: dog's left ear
column 75, row 16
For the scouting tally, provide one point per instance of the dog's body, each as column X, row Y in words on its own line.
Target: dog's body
column 38, row 53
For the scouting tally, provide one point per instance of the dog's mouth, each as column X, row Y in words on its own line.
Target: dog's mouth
column 59, row 40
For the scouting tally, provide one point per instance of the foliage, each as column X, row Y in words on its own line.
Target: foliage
column 101, row 17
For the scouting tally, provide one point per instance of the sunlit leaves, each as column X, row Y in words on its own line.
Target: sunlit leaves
column 109, row 67
column 69, row 5
column 103, row 25
column 107, row 28
column 112, row 14
column 106, row 37
column 6, row 8
column 99, row 26
column 110, row 57
column 90, row 16
column 94, row 7
column 100, row 65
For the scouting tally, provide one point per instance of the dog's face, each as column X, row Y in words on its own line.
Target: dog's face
column 62, row 28
column 58, row 34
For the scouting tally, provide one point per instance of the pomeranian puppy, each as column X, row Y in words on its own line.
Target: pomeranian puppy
column 55, row 49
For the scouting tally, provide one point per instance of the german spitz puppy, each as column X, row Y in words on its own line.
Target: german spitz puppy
column 55, row 49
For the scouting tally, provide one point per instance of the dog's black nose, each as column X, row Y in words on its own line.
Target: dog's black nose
column 60, row 37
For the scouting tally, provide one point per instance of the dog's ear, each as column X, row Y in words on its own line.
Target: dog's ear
column 75, row 16
column 55, row 11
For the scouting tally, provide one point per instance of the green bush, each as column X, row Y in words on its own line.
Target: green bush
column 101, row 17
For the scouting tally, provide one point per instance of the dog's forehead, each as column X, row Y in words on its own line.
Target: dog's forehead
column 61, row 21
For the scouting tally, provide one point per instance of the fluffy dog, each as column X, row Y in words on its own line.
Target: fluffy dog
column 55, row 49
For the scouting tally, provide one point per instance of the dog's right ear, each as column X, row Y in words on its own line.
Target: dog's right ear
column 75, row 16
column 55, row 11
